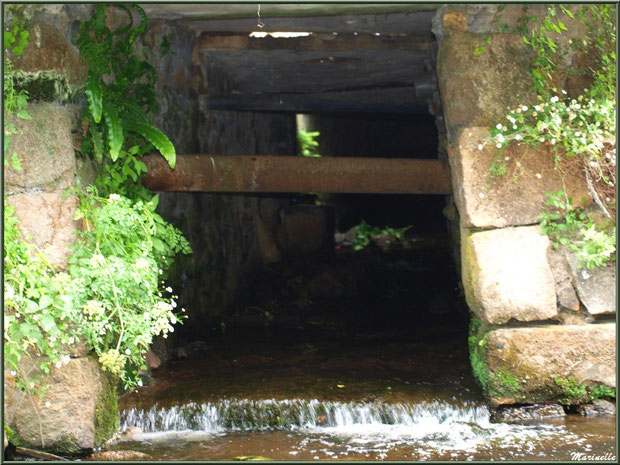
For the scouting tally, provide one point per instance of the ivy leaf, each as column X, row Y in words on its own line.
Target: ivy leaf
column 155, row 137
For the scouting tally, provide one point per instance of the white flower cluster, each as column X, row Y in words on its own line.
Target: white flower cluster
column 64, row 360
column 162, row 318
column 93, row 309
column 97, row 260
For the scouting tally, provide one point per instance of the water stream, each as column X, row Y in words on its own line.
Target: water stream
column 380, row 373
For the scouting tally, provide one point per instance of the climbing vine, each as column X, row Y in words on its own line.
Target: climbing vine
column 580, row 129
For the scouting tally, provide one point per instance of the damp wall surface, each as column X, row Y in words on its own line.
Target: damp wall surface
column 537, row 317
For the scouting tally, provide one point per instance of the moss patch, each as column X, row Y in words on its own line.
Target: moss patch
column 477, row 353
column 44, row 85
column 106, row 411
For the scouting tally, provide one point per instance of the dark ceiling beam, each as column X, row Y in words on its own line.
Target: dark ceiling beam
column 400, row 100
column 327, row 42
column 411, row 22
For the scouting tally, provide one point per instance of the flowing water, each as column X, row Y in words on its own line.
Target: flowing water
column 370, row 397
column 373, row 366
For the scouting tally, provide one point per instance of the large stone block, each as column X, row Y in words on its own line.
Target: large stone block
column 517, row 198
column 506, row 275
column 44, row 147
column 52, row 67
column 48, row 221
column 596, row 288
column 476, row 89
column 534, row 357
column 68, row 417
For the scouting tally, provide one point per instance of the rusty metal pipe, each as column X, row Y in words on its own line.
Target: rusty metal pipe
column 267, row 173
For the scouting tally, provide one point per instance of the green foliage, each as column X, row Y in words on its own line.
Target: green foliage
column 120, row 90
column 364, row 234
column 573, row 228
column 572, row 391
column 477, row 353
column 504, row 384
column 15, row 101
column 601, row 391
column 580, row 129
column 38, row 311
column 119, row 262
column 308, row 143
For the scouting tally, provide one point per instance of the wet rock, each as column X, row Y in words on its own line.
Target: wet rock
column 44, row 147
column 566, row 295
column 304, row 230
column 506, row 275
column 536, row 356
column 326, row 286
column 48, row 220
column 118, row 455
column 597, row 408
column 596, row 288
column 67, row 411
column 130, row 433
column 526, row 413
column 499, row 202
column 152, row 360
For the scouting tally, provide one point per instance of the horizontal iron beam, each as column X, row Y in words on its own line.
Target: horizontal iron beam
column 268, row 173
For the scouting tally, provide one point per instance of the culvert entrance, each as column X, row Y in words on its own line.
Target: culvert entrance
column 325, row 315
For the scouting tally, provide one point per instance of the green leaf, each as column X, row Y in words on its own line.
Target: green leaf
column 45, row 301
column 155, row 137
column 479, row 50
column 115, row 130
column 23, row 114
column 47, row 322
column 94, row 94
column 158, row 245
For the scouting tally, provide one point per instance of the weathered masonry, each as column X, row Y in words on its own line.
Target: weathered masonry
column 230, row 94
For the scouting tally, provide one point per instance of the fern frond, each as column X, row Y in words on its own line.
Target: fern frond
column 94, row 94
column 115, row 130
column 141, row 28
column 155, row 137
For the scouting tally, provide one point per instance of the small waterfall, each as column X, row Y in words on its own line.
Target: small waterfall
column 271, row 414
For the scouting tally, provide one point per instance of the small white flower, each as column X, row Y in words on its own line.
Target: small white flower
column 58, row 364
column 13, row 373
column 524, row 108
column 499, row 126
column 507, row 158
column 584, row 274
column 48, row 404
column 552, row 141
column 499, row 146
column 171, row 329
column 140, row 383
column 169, row 289
column 563, row 91
column 114, row 198
column 142, row 263
column 161, row 271
column 514, row 126
column 537, row 107
column 159, row 294
column 518, row 137
column 539, row 176
column 127, row 352
column 173, row 319
column 183, row 310
column 481, row 195
column 480, row 146
column 173, row 304
column 554, row 99
column 71, row 340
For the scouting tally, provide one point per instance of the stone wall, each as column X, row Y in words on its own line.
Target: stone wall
column 66, row 418
column 541, row 318
column 232, row 235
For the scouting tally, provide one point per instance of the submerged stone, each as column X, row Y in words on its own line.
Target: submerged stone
column 598, row 407
column 526, row 413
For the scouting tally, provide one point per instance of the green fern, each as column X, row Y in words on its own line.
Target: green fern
column 155, row 137
column 117, row 116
